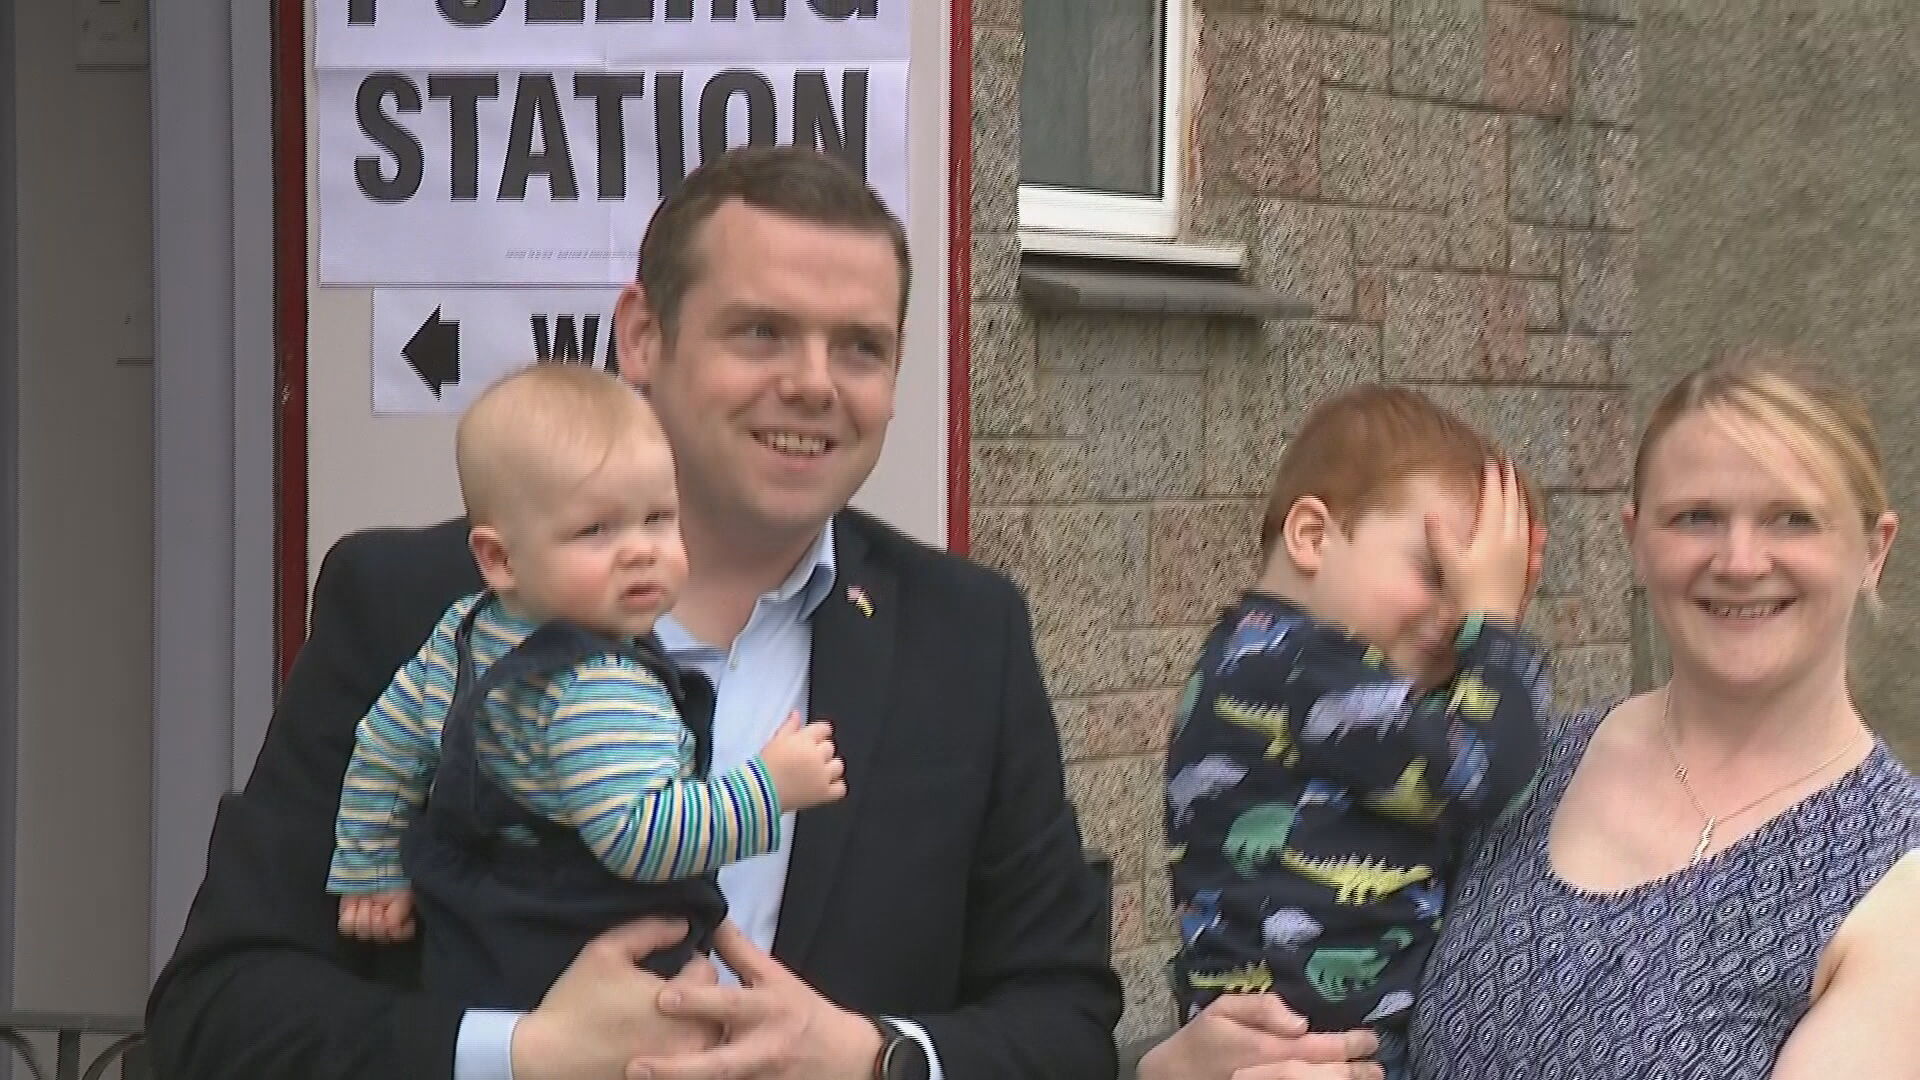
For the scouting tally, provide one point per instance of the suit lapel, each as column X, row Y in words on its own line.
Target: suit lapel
column 853, row 631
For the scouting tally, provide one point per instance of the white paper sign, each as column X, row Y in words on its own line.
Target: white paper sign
column 584, row 33
column 548, row 177
column 435, row 350
column 527, row 142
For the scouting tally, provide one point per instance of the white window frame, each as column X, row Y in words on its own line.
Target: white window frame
column 1076, row 210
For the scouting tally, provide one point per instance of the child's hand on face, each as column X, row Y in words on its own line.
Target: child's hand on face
column 1536, row 563
column 1491, row 572
column 805, row 768
column 384, row 918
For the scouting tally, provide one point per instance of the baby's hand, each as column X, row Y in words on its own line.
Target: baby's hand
column 1488, row 573
column 805, row 769
column 384, row 918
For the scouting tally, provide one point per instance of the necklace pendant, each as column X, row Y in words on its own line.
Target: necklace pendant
column 1706, row 841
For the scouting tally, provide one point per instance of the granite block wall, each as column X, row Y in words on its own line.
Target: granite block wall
column 1451, row 185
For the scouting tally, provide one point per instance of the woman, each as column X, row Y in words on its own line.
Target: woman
column 1714, row 879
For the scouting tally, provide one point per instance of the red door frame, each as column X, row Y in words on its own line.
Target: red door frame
column 289, row 65
column 290, row 283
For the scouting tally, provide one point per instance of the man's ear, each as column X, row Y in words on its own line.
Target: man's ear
column 1304, row 533
column 490, row 555
column 637, row 333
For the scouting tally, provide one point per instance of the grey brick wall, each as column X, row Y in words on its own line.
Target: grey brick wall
column 1450, row 184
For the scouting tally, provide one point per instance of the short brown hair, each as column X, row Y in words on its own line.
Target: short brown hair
column 545, row 423
column 797, row 181
column 1357, row 449
column 1762, row 389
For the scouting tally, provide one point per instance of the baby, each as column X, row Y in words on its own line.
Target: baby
column 536, row 774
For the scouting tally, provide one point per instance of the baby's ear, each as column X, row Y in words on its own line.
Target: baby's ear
column 490, row 555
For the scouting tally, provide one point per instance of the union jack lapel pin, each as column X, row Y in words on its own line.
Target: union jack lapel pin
column 857, row 596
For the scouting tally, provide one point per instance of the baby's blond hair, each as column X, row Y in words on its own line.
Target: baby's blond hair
column 543, row 426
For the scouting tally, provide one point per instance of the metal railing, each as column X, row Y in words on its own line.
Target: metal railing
column 125, row 1044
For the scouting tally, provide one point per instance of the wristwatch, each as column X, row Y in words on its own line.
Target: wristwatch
column 901, row 1056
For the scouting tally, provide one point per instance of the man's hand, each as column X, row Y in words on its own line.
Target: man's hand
column 1487, row 573
column 601, row 1012
column 777, row 1027
column 1256, row 1037
column 384, row 918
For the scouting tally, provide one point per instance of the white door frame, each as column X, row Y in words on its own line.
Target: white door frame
column 213, row 427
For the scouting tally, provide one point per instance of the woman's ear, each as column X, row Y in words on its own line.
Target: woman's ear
column 1879, row 543
column 490, row 555
column 1629, row 527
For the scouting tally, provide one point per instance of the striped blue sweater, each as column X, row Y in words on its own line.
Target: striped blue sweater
column 597, row 748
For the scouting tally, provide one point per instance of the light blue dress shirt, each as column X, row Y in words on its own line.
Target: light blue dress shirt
column 776, row 648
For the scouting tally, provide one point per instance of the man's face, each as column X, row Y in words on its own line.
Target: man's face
column 777, row 383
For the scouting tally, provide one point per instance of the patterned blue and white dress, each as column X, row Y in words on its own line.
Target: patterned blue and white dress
column 1700, row 975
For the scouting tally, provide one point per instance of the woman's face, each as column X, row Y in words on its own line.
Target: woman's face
column 1751, row 567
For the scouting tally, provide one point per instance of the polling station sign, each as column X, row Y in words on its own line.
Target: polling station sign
column 435, row 350
column 527, row 142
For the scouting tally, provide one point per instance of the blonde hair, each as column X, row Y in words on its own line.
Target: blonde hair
column 543, row 425
column 1824, row 422
column 1759, row 392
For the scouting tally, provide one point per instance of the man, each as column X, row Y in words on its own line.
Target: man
column 942, row 911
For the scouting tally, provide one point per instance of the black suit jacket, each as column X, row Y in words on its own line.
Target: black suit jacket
column 949, row 885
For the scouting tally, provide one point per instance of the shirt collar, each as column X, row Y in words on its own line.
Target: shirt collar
column 810, row 582
column 813, row 578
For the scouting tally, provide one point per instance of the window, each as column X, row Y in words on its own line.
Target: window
column 1100, row 118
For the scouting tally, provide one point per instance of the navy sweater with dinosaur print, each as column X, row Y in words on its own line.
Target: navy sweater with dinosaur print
column 1316, row 802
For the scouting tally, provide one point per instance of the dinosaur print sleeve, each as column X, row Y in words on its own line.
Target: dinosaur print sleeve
column 1313, row 802
column 1327, row 705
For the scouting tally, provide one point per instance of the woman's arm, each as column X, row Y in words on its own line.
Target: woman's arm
column 1867, row 991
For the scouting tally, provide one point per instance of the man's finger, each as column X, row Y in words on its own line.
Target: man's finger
column 722, row 1006
column 744, row 1058
column 1262, row 1012
column 1296, row 1070
column 743, row 957
column 698, row 971
column 642, row 938
column 1332, row 1047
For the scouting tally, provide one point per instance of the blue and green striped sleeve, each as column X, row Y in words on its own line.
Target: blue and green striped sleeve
column 396, row 749
column 620, row 759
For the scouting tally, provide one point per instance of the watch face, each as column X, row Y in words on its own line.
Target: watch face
column 903, row 1058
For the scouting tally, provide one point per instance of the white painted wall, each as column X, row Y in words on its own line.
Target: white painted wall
column 85, row 424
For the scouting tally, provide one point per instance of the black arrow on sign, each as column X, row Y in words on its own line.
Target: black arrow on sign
column 434, row 352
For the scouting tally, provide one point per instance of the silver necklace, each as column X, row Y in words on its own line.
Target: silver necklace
column 1710, row 822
